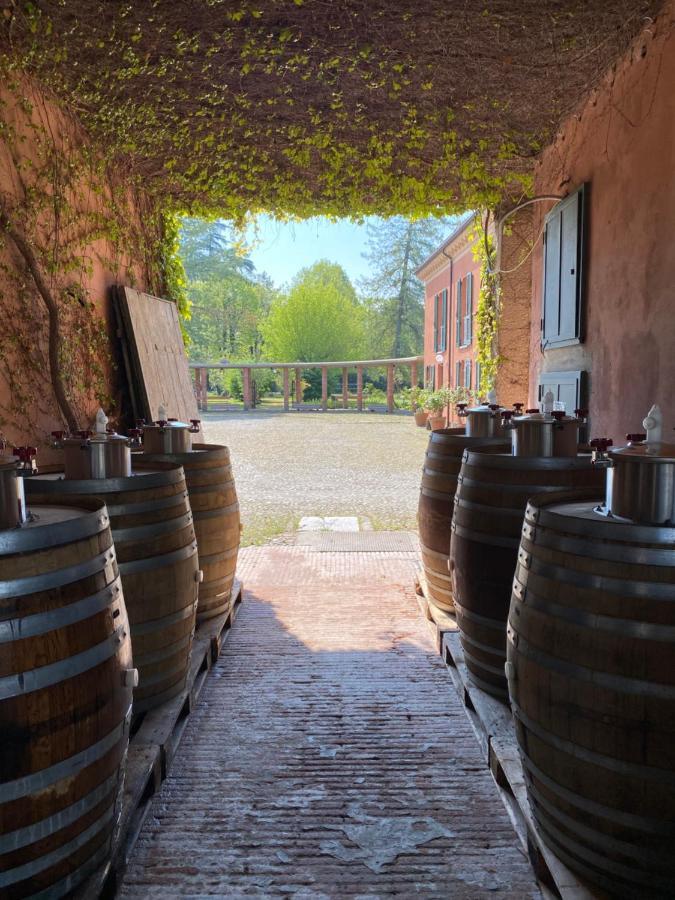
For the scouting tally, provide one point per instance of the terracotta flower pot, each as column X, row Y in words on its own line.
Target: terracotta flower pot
column 421, row 416
column 436, row 422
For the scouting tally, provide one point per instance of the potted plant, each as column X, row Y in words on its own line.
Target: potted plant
column 417, row 401
column 436, row 402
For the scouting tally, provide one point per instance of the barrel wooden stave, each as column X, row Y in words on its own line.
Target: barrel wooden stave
column 492, row 493
column 157, row 555
column 58, row 829
column 442, row 464
column 215, row 508
column 590, row 649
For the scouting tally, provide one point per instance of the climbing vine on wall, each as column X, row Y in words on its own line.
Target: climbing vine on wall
column 487, row 308
column 63, row 213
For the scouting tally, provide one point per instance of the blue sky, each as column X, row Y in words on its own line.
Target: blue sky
column 283, row 248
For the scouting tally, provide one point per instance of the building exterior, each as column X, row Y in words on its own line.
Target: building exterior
column 451, row 277
column 602, row 330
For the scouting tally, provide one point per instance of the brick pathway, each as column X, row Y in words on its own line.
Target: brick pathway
column 329, row 756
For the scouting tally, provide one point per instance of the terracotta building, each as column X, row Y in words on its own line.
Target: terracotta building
column 451, row 276
column 603, row 269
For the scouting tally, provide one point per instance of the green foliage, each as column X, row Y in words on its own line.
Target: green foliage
column 229, row 300
column 488, row 310
column 320, row 318
column 394, row 296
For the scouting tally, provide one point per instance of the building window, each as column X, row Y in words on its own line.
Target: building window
column 458, row 374
column 477, row 376
column 458, row 313
column 467, row 374
column 468, row 309
column 563, row 261
column 440, row 321
column 430, row 377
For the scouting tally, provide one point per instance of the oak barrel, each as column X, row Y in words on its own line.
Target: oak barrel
column 442, row 462
column 66, row 681
column 157, row 553
column 591, row 644
column 492, row 493
column 215, row 508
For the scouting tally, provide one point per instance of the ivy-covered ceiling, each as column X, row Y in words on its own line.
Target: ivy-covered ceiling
column 342, row 107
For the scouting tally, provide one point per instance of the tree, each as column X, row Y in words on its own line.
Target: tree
column 319, row 319
column 394, row 297
column 229, row 299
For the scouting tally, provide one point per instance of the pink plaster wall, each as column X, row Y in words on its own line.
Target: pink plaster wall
column 32, row 118
column 621, row 142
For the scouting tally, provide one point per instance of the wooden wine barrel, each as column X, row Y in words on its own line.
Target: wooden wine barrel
column 157, row 554
column 591, row 644
column 66, row 680
column 215, row 508
column 492, row 494
column 442, row 462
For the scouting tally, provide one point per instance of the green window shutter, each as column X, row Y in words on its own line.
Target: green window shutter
column 458, row 374
column 477, row 376
column 468, row 322
column 458, row 314
column 444, row 320
column 435, row 322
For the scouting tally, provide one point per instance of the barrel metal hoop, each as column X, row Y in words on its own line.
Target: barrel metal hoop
column 214, row 558
column 490, row 510
column 489, row 688
column 155, row 562
column 469, row 657
column 437, row 495
column 631, row 554
column 35, row 866
column 624, row 627
column 486, row 648
column 207, row 488
column 480, row 620
column 153, row 530
column 540, row 463
column 523, row 489
column 37, row 831
column 144, row 703
column 616, row 816
column 178, row 672
column 622, row 587
column 601, row 526
column 21, row 683
column 126, row 509
column 621, row 767
column 215, row 513
column 97, row 487
column 65, row 885
column 41, row 537
column 143, row 628
column 31, row 584
column 148, row 659
column 577, row 851
column 67, row 768
column 635, row 686
column 41, row 623
column 481, row 538
column 434, row 553
column 593, row 836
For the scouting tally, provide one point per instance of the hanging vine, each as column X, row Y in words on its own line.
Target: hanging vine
column 488, row 307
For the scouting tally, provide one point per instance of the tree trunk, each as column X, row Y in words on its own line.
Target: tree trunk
column 35, row 270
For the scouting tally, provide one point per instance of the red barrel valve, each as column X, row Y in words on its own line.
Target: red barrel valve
column 195, row 423
column 636, row 438
column 602, row 444
column 518, row 407
column 581, row 413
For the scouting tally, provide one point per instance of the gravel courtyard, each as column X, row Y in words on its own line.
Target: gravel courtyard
column 288, row 465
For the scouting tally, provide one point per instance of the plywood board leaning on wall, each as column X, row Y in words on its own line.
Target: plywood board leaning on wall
column 155, row 355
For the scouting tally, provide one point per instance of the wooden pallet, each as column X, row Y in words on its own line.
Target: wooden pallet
column 493, row 726
column 156, row 735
